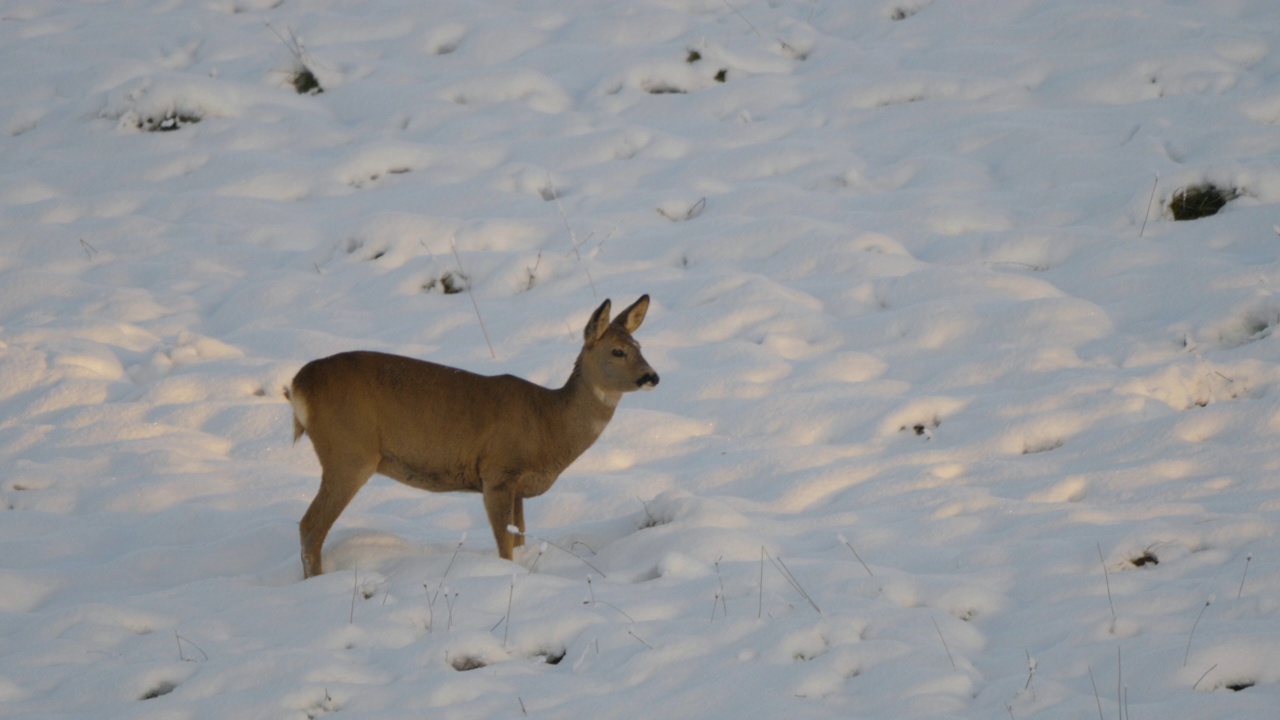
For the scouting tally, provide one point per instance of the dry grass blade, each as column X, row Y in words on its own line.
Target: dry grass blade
column 1142, row 232
column 1096, row 697
column 511, row 593
column 1192, row 635
column 944, row 644
column 782, row 568
column 593, row 601
column 183, row 657
column 1107, row 577
column 744, row 18
column 1205, row 675
column 1248, row 558
column 573, row 237
column 515, row 530
column 471, row 295
column 355, row 587
column 856, row 555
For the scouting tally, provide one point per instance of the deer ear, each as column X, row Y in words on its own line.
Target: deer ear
column 631, row 318
column 598, row 323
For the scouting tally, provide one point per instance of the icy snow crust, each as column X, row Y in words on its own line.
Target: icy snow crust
column 917, row 294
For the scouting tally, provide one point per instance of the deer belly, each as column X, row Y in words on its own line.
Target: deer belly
column 428, row 478
column 534, row 484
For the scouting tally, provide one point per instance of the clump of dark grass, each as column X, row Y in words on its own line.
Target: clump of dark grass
column 1146, row 558
column 449, row 283
column 304, row 80
column 168, row 122
column 301, row 76
column 1199, row 201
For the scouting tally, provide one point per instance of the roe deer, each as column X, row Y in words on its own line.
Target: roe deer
column 443, row 429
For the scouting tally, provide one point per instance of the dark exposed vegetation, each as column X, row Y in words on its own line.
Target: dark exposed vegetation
column 1198, row 201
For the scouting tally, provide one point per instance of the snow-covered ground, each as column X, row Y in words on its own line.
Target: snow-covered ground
column 918, row 300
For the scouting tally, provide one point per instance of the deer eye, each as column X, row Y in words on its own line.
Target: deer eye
column 619, row 352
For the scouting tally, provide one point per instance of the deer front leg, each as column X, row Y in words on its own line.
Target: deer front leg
column 519, row 521
column 500, row 504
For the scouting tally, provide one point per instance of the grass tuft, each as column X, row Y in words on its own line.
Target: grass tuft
column 168, row 122
column 301, row 77
column 1146, row 558
column 450, row 283
column 304, row 81
column 1238, row 686
column 1199, row 201
column 463, row 663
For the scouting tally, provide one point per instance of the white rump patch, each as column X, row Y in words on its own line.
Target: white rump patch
column 299, row 407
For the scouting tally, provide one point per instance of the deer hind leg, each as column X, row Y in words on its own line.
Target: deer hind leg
column 339, row 483
column 518, row 516
column 500, row 504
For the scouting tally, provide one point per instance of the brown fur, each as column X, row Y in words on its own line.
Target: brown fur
column 443, row 429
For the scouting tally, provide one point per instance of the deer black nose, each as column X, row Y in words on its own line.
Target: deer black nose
column 649, row 379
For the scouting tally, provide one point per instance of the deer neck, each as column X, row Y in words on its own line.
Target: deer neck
column 587, row 407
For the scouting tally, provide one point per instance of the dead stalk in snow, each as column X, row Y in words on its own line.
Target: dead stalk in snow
column 1192, row 635
column 856, row 555
column 782, row 569
column 1142, row 232
column 355, row 585
column 1205, row 675
column 744, row 18
column 1096, row 697
column 511, row 593
column 521, row 533
column 1247, row 559
column 1107, row 577
column 474, row 304
column 944, row 644
column 719, row 598
column 573, row 237
column 1120, row 684
column 179, row 639
column 593, row 601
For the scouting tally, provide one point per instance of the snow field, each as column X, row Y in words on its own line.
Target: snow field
column 918, row 302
